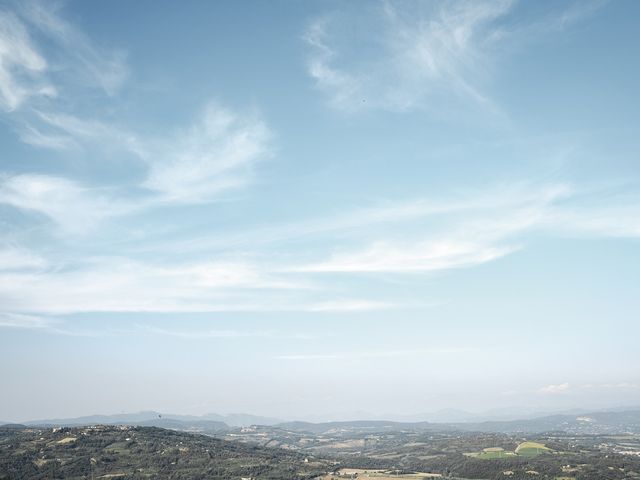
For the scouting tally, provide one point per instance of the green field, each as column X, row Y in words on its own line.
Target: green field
column 531, row 449
column 525, row 449
column 491, row 455
column 493, row 452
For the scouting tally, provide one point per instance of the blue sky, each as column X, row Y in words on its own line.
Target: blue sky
column 320, row 209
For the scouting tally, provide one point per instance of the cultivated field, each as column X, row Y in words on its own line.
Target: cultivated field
column 360, row 473
column 531, row 449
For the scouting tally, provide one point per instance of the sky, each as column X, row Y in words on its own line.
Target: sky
column 318, row 210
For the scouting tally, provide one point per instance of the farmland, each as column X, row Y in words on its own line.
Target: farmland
column 373, row 450
column 360, row 473
column 363, row 450
column 524, row 449
column 531, row 449
column 491, row 453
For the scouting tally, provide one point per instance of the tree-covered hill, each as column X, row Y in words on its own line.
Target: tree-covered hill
column 141, row 452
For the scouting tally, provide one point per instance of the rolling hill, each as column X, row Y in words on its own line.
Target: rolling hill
column 141, row 452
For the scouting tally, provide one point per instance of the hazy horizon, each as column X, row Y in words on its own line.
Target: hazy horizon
column 307, row 209
column 444, row 416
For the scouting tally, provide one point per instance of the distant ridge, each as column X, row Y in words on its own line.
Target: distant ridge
column 372, row 425
column 615, row 421
column 209, row 422
column 587, row 423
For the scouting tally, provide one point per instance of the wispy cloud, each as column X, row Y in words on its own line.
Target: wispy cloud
column 55, row 325
column 553, row 389
column 471, row 230
column 27, row 76
column 214, row 155
column 60, row 130
column 12, row 258
column 48, row 325
column 193, row 164
column 423, row 51
column 419, row 51
column 382, row 353
column 21, row 65
column 118, row 284
column 479, row 232
column 486, row 227
column 75, row 208
column 462, row 205
column 43, row 89
column 420, row 257
column 223, row 334
column 20, row 321
column 414, row 54
column 82, row 59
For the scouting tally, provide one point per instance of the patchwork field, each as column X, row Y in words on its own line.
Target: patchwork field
column 525, row 449
column 531, row 449
column 360, row 473
column 493, row 452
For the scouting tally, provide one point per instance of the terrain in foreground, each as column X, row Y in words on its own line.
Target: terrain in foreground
column 141, row 452
column 363, row 450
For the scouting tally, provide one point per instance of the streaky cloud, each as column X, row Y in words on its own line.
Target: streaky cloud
column 422, row 52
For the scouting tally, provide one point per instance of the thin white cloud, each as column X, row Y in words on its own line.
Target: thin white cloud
column 188, row 165
column 215, row 154
column 485, row 227
column 553, row 389
column 123, row 285
column 115, row 284
column 348, row 306
column 469, row 204
column 194, row 165
column 20, row 321
column 64, row 130
column 21, row 65
column 27, row 76
column 375, row 354
column 81, row 59
column 619, row 217
column 467, row 232
column 12, row 258
column 479, row 232
column 223, row 334
column 558, row 21
column 411, row 257
column 72, row 206
column 34, row 136
column 48, row 325
column 413, row 54
column 420, row 51
column 342, row 87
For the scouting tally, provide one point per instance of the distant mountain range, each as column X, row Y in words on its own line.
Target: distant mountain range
column 451, row 415
column 206, row 423
column 587, row 423
column 580, row 423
